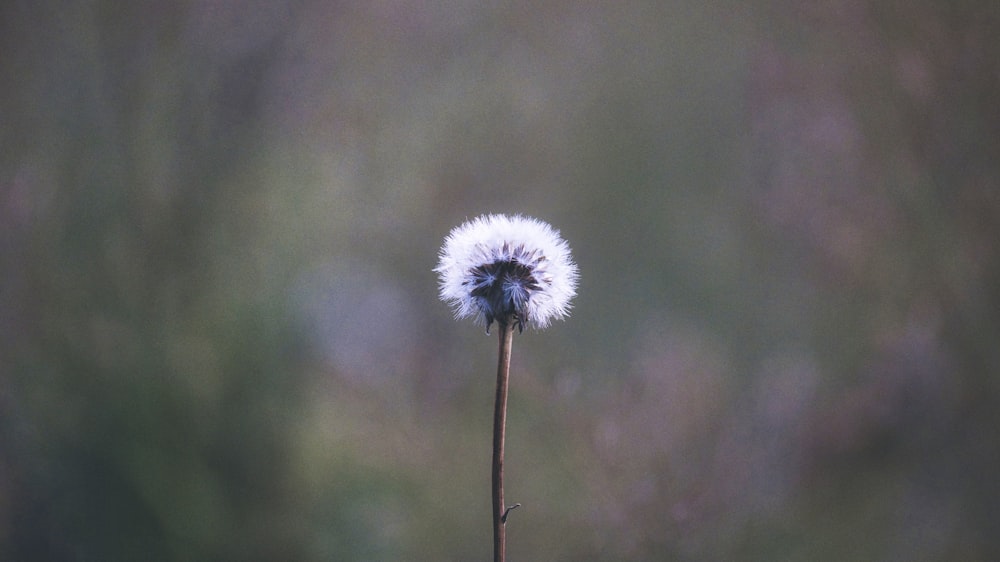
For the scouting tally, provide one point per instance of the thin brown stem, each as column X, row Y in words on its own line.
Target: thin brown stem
column 499, row 429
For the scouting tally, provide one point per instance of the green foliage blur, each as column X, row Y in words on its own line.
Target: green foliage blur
column 220, row 337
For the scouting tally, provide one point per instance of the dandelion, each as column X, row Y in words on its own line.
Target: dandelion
column 515, row 271
column 507, row 268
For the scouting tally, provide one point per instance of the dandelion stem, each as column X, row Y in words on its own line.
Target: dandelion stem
column 499, row 429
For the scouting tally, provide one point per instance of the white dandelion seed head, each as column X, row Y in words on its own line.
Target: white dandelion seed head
column 507, row 268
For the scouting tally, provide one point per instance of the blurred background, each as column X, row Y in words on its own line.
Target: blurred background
column 220, row 337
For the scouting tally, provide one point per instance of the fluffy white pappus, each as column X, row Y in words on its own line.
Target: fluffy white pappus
column 509, row 269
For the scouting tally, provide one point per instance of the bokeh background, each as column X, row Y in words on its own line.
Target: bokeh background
column 220, row 337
